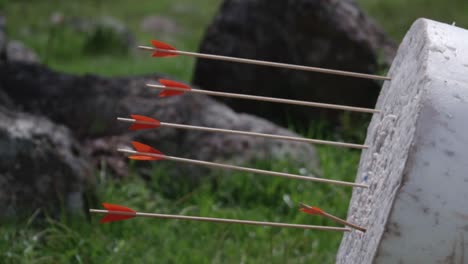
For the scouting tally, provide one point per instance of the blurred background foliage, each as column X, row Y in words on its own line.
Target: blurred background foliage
column 62, row 34
column 94, row 36
column 56, row 29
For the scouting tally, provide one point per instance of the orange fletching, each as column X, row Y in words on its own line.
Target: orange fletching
column 174, row 84
column 162, row 46
column 140, row 147
column 139, row 126
column 141, row 157
column 110, row 217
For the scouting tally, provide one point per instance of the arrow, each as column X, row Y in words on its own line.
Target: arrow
column 144, row 122
column 145, row 152
column 317, row 211
column 176, row 88
column 161, row 49
column 141, row 122
column 118, row 212
column 180, row 88
column 129, row 213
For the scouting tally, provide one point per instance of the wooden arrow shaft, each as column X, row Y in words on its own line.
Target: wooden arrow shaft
column 222, row 220
column 270, row 64
column 239, row 168
column 336, row 219
column 343, row 222
column 269, row 99
column 246, row 133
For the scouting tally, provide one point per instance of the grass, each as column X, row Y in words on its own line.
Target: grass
column 238, row 195
column 64, row 49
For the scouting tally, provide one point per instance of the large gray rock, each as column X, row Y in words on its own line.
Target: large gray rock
column 416, row 209
column 41, row 166
column 333, row 34
column 89, row 105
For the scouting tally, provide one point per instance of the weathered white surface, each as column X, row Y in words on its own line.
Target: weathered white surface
column 416, row 209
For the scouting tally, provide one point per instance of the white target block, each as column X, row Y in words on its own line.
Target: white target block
column 416, row 209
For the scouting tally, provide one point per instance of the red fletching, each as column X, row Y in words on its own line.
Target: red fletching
column 110, row 217
column 174, row 84
column 139, row 126
column 311, row 210
column 147, row 149
column 162, row 46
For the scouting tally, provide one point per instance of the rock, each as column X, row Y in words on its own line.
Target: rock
column 41, row 166
column 415, row 210
column 187, row 8
column 17, row 51
column 57, row 18
column 332, row 34
column 102, row 35
column 105, row 158
column 89, row 105
column 157, row 25
column 14, row 50
column 108, row 35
